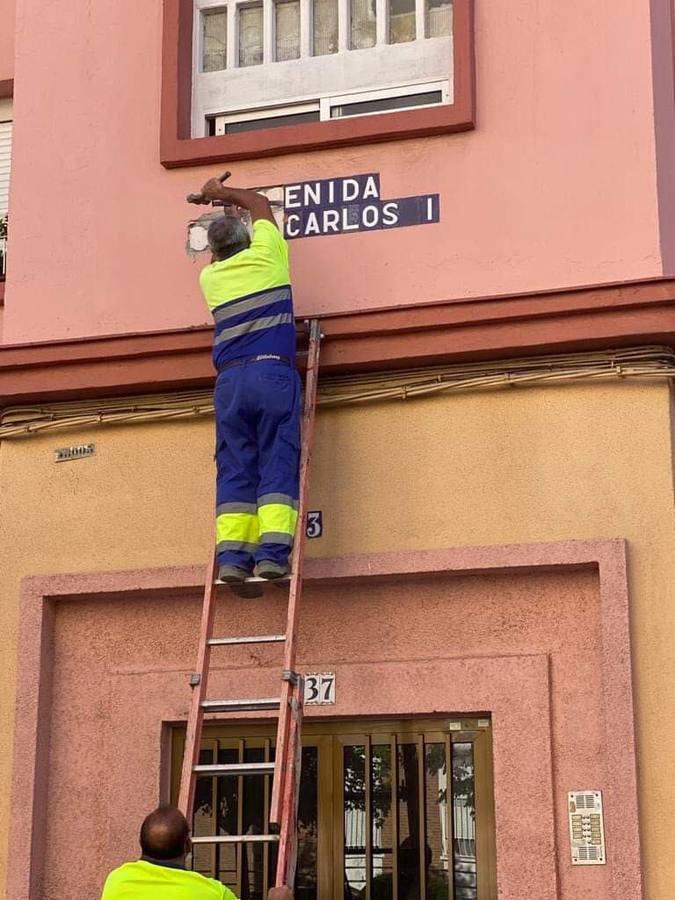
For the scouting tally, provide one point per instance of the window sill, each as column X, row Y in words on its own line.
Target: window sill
column 178, row 149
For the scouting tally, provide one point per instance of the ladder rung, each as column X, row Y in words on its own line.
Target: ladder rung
column 240, row 705
column 256, row 768
column 236, row 839
column 253, row 639
column 254, row 580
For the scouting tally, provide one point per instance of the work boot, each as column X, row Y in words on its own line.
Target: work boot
column 237, row 581
column 270, row 570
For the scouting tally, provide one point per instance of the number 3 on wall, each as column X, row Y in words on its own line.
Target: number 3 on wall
column 319, row 688
column 314, row 524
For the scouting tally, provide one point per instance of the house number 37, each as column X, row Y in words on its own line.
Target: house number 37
column 319, row 688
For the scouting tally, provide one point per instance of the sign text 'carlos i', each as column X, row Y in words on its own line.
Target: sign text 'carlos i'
column 340, row 205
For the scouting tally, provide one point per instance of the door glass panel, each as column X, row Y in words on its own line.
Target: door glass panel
column 204, row 818
column 306, row 883
column 363, row 24
column 324, row 27
column 464, row 821
column 382, row 822
column 250, row 35
column 408, row 822
column 306, row 875
column 252, row 886
column 227, row 803
column 354, row 809
column 436, row 803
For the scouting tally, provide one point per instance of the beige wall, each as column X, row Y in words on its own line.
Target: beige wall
column 580, row 461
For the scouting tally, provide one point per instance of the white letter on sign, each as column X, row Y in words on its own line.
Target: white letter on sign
column 346, row 198
column 370, row 189
column 331, row 221
column 292, row 201
column 371, row 216
column 345, row 220
column 312, row 226
column 390, row 213
column 292, row 220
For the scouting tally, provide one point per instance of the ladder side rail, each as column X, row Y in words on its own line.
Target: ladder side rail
column 288, row 839
column 295, row 587
column 195, row 721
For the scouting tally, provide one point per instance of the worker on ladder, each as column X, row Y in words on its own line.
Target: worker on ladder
column 257, row 396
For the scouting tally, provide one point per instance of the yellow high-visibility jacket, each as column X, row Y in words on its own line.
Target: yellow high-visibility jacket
column 150, row 881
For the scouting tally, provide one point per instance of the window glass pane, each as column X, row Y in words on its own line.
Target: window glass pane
column 408, row 822
column 354, row 808
column 438, row 18
column 214, row 34
column 382, row 821
column 401, row 21
column 363, row 24
column 287, row 29
column 436, row 805
column 250, row 35
column 324, row 27
column 384, row 103
column 464, row 821
column 273, row 122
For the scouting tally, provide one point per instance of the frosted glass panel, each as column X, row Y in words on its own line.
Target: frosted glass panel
column 401, row 21
column 324, row 27
column 439, row 18
column 287, row 29
column 214, row 34
column 363, row 24
column 250, row 35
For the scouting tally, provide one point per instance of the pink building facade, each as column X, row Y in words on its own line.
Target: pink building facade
column 474, row 194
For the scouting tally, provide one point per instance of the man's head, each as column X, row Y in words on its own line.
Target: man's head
column 227, row 235
column 165, row 834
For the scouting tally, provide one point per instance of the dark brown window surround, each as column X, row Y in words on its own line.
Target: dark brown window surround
column 177, row 148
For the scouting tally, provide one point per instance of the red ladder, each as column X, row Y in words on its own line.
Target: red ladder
column 286, row 767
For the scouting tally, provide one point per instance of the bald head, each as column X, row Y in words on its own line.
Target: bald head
column 165, row 834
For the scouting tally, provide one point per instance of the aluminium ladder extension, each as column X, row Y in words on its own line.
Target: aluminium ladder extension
column 286, row 767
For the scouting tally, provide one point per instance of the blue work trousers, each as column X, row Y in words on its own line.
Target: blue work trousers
column 257, row 405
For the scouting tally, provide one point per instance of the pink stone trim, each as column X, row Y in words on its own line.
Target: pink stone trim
column 608, row 558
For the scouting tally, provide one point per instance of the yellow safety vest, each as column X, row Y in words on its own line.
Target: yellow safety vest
column 149, row 881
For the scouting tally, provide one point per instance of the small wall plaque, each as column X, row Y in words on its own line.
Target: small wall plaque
column 320, row 688
column 587, row 828
column 64, row 454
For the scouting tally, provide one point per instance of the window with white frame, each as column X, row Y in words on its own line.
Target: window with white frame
column 263, row 63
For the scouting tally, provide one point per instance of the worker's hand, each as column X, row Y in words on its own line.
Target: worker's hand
column 213, row 189
column 280, row 893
